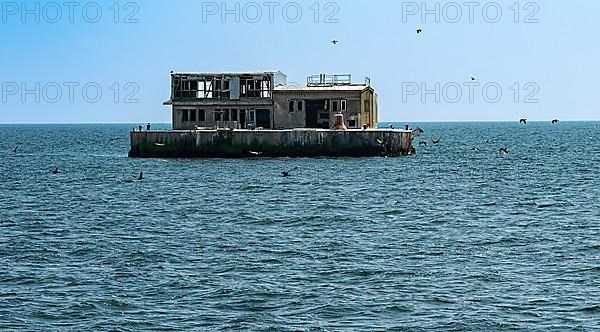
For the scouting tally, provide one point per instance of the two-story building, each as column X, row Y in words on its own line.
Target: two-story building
column 265, row 100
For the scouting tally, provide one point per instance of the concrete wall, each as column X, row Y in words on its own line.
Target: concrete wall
column 283, row 118
column 270, row 143
column 209, row 117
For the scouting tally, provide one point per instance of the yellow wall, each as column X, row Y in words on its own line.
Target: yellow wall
column 371, row 115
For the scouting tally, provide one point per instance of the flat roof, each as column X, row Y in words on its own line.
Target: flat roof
column 351, row 87
column 229, row 73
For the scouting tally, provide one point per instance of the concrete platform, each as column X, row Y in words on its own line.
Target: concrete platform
column 229, row 143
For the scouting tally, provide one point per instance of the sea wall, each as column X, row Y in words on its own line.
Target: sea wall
column 227, row 143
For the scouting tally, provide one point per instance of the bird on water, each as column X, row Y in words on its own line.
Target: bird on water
column 436, row 141
column 503, row 151
column 15, row 149
column 285, row 174
column 141, row 177
column 56, row 171
column 555, row 121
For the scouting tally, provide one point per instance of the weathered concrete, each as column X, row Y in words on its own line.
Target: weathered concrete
column 225, row 143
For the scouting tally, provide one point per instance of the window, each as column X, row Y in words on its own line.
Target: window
column 184, row 116
column 367, row 106
column 291, row 105
column 192, row 115
column 217, row 115
column 334, row 106
column 201, row 115
column 234, row 115
column 225, row 115
column 344, row 105
column 300, row 105
column 352, row 123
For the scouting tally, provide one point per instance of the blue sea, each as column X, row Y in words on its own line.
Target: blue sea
column 452, row 239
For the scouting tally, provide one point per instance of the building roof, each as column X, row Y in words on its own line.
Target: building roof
column 350, row 87
column 230, row 73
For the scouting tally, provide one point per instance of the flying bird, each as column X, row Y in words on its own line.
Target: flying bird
column 472, row 78
column 555, row 121
column 523, row 121
column 285, row 174
column 335, row 42
column 55, row 171
column 435, row 141
column 503, row 151
column 419, row 31
column 423, row 143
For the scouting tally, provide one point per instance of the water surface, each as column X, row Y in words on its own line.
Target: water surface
column 452, row 239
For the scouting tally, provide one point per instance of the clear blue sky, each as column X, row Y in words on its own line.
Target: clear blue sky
column 558, row 55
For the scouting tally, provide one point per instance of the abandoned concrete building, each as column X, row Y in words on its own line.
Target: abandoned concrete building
column 265, row 100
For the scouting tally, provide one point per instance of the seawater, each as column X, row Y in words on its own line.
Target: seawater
column 451, row 239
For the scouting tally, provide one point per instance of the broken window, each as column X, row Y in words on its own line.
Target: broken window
column 184, row 115
column 192, row 115
column 217, row 115
column 291, row 105
column 234, row 115
column 201, row 115
column 225, row 115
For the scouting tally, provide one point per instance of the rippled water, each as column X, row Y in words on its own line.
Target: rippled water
column 452, row 239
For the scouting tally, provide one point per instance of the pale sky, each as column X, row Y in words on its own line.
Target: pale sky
column 542, row 56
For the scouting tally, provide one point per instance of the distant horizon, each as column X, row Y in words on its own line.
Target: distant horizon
column 379, row 122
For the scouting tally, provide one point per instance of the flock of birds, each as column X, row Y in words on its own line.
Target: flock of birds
column 502, row 151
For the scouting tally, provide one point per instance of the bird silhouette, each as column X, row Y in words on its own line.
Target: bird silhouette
column 141, row 177
column 503, row 151
column 423, row 143
column 523, row 121
column 335, row 42
column 435, row 141
column 285, row 174
column 15, row 149
column 555, row 121
column 472, row 78
column 419, row 31
column 56, row 171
